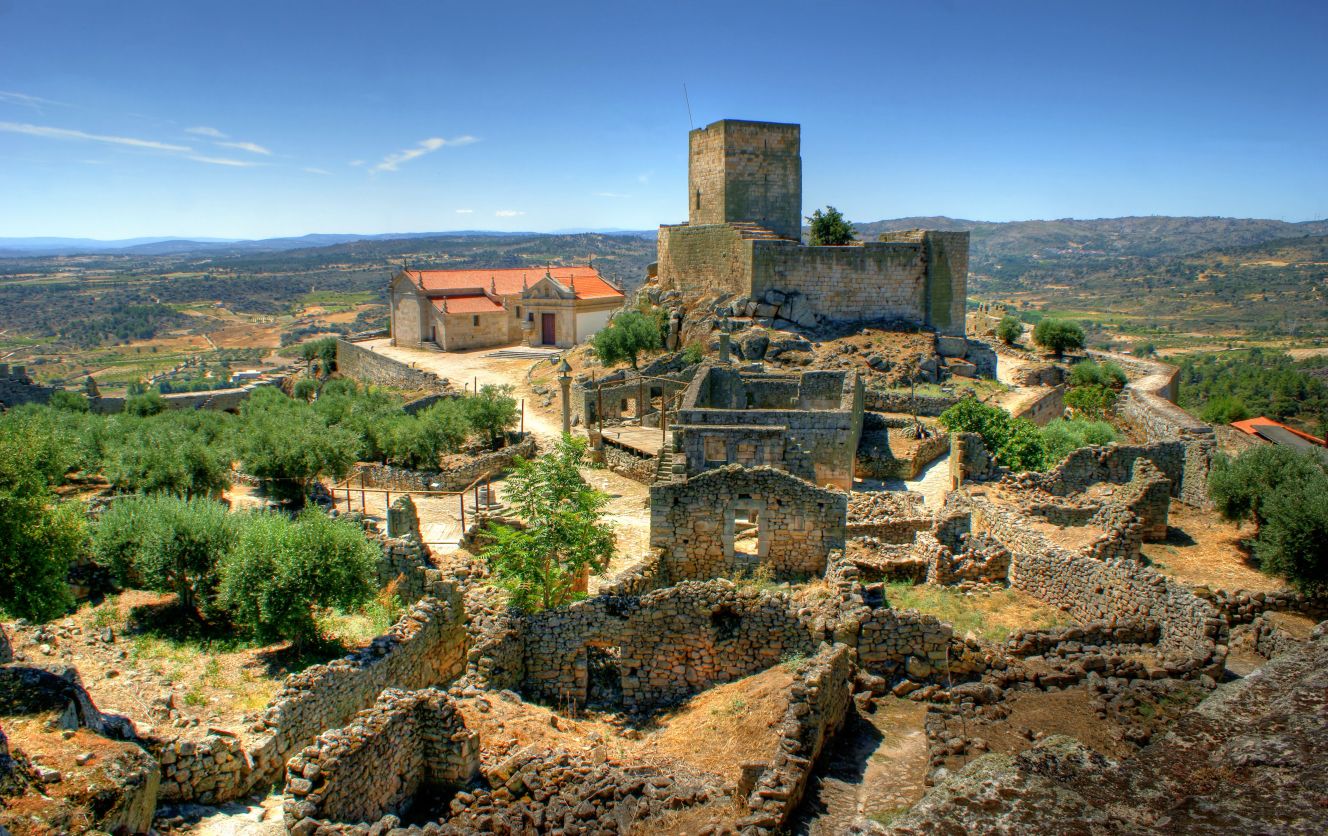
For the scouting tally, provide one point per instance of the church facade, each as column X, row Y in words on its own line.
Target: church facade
column 464, row 309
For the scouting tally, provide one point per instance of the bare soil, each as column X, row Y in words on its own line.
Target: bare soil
column 1202, row 549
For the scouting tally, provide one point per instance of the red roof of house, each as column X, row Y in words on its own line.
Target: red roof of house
column 467, row 305
column 1250, row 426
column 508, row 282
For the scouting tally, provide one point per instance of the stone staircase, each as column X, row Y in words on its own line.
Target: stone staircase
column 754, row 232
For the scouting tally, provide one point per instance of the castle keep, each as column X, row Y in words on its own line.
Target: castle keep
column 743, row 239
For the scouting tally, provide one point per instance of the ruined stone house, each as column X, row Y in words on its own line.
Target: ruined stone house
column 743, row 237
column 462, row 309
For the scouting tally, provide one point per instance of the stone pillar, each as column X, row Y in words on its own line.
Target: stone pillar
column 565, row 382
column 724, row 338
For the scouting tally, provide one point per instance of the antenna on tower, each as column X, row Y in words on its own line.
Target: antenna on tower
column 690, row 124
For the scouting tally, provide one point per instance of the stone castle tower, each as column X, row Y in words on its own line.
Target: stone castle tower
column 743, row 241
column 746, row 172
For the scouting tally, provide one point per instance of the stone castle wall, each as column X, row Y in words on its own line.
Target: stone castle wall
column 875, row 280
column 408, row 742
column 18, row 388
column 371, row 367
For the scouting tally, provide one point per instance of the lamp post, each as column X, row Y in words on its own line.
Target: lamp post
column 565, row 381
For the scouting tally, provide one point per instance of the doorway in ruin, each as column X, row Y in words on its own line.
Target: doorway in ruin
column 604, row 677
column 746, row 535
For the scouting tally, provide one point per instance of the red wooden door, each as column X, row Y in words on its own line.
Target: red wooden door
column 546, row 324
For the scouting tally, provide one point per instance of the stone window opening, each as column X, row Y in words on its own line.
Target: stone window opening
column 475, row 321
column 746, row 534
column 726, row 623
column 716, row 451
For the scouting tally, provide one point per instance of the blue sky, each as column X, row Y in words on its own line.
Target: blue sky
column 243, row 119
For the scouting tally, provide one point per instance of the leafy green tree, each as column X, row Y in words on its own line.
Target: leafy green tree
column 626, row 337
column 1293, row 540
column 829, row 229
column 1058, row 335
column 148, row 403
column 281, row 572
column 1240, row 486
column 69, row 401
column 1225, row 409
column 287, row 444
column 366, row 413
column 323, row 351
column 1015, row 442
column 492, row 412
column 167, row 544
column 40, row 537
column 179, row 453
column 1144, row 349
column 304, row 389
column 1092, row 373
column 564, row 534
column 1009, row 329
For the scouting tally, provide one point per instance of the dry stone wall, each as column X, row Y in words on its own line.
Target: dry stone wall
column 426, row 647
column 455, row 478
column 692, row 522
column 409, row 742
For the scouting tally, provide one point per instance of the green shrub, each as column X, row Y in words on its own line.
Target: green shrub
column 148, row 403
column 1015, row 442
column 1058, row 335
column 280, row 572
column 1009, row 330
column 1063, row 436
column 287, row 444
column 1091, row 401
column 1293, row 540
column 626, row 337
column 693, row 353
column 187, row 454
column 304, row 389
column 69, row 401
column 1092, row 373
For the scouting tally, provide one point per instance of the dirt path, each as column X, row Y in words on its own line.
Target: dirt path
column 874, row 769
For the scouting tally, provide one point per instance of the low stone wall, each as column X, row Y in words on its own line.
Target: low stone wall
column 818, row 705
column 426, row 647
column 1047, row 406
column 889, row 400
column 1242, row 606
column 454, row 479
column 1110, row 590
column 371, row 367
column 629, row 464
column 407, row 743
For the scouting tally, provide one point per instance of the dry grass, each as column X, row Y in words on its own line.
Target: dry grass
column 1202, row 549
column 990, row 615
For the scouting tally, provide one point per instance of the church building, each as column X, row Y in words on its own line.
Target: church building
column 463, row 309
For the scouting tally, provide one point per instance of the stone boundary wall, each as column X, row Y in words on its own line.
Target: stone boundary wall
column 627, row 463
column 818, row 705
column 1242, row 606
column 670, row 643
column 371, row 367
column 427, row 646
column 1233, row 442
column 455, row 479
column 409, row 741
column 636, row 580
column 1047, row 406
column 886, row 400
column 1106, row 590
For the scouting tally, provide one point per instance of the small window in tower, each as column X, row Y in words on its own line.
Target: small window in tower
column 530, row 316
column 698, row 198
column 518, row 311
column 475, row 320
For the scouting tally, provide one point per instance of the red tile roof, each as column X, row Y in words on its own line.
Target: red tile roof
column 508, row 282
column 1250, row 426
column 467, row 305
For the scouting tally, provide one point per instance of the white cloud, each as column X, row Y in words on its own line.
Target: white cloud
column 317, row 171
column 611, row 194
column 66, row 133
column 251, row 147
column 24, row 99
column 356, row 162
column 465, row 211
column 224, row 161
column 508, row 213
column 645, row 177
column 392, row 161
column 204, row 130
